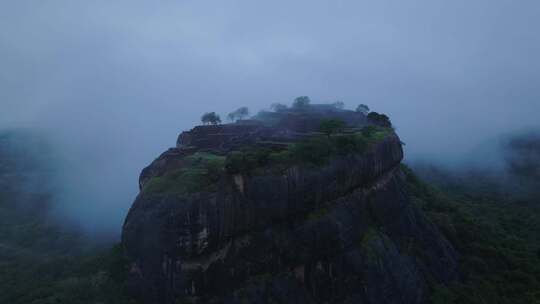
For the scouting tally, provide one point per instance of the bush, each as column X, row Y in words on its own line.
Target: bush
column 301, row 102
column 247, row 160
column 200, row 172
column 210, row 118
column 379, row 119
column 350, row 144
column 331, row 126
column 315, row 151
column 368, row 131
column 362, row 108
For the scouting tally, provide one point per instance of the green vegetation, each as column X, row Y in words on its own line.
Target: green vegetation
column 379, row 119
column 497, row 236
column 40, row 261
column 375, row 134
column 94, row 277
column 210, row 118
column 43, row 278
column 366, row 244
column 318, row 214
column 247, row 160
column 331, row 126
column 498, row 239
column 362, row 108
column 314, row 151
column 370, row 234
column 200, row 172
column 301, row 102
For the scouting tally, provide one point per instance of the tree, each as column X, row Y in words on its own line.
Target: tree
column 240, row 113
column 211, row 118
column 301, row 102
column 362, row 108
column 278, row 107
column 379, row 119
column 331, row 126
column 340, row 105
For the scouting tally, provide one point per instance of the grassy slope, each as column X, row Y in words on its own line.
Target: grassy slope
column 200, row 172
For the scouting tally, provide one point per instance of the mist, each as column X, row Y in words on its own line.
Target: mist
column 111, row 84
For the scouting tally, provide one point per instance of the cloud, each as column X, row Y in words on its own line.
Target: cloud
column 113, row 82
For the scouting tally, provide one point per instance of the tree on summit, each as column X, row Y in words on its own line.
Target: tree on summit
column 240, row 113
column 278, row 107
column 301, row 102
column 362, row 108
column 379, row 119
column 210, row 118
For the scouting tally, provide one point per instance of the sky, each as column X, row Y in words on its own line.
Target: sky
column 112, row 83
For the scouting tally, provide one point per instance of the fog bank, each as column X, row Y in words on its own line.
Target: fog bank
column 111, row 84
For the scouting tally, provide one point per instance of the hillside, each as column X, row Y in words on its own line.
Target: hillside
column 42, row 261
column 496, row 232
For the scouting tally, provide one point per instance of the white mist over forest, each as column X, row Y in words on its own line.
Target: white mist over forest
column 111, row 84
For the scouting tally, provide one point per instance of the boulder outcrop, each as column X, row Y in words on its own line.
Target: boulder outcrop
column 341, row 232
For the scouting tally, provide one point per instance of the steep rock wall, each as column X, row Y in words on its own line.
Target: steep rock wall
column 345, row 232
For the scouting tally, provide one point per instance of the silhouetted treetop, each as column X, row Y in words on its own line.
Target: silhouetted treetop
column 301, row 102
column 362, row 108
column 278, row 107
column 210, row 118
column 240, row 113
column 379, row 119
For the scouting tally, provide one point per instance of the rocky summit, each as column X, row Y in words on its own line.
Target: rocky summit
column 276, row 210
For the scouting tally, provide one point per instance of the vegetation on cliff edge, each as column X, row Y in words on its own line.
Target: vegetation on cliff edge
column 200, row 172
column 313, row 151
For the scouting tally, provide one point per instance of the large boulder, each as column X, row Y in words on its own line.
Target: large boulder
column 345, row 232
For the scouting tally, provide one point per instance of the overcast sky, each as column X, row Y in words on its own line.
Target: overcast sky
column 114, row 82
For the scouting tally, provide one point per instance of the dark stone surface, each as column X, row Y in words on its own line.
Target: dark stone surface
column 169, row 160
column 342, row 233
column 223, row 136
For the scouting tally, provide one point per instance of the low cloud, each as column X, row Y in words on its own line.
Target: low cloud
column 112, row 83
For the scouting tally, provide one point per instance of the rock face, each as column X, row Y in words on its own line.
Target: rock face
column 344, row 232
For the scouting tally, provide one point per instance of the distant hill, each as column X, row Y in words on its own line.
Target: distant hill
column 42, row 262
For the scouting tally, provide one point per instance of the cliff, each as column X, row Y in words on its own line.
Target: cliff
column 240, row 213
